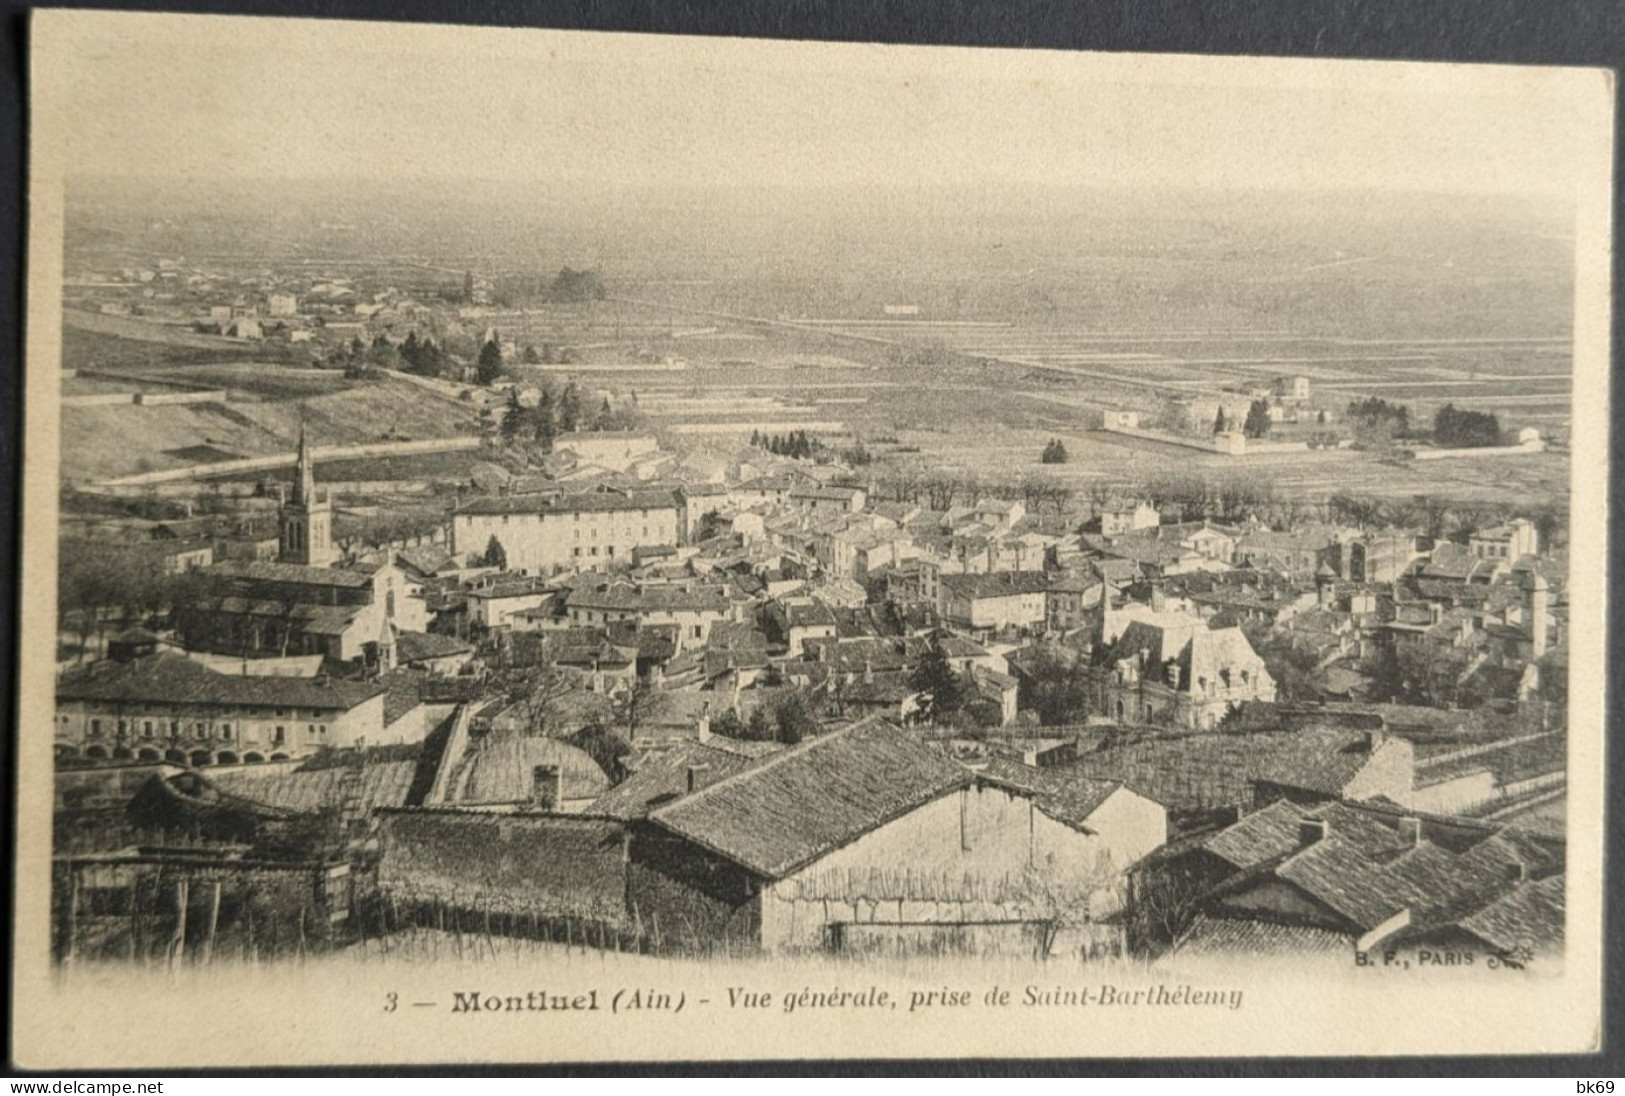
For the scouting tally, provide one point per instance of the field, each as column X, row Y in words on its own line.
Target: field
column 1024, row 314
column 266, row 405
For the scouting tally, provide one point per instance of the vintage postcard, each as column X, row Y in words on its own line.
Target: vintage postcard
column 584, row 547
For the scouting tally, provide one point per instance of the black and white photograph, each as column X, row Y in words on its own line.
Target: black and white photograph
column 567, row 546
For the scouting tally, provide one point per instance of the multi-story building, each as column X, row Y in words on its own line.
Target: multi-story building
column 167, row 707
column 1170, row 668
column 545, row 533
column 346, row 614
column 1512, row 541
column 692, row 610
column 1007, row 599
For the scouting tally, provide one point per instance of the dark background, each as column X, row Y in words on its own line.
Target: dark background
column 1544, row 32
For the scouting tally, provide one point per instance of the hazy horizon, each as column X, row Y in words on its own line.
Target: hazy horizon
column 198, row 98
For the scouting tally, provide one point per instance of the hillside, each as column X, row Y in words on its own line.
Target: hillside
column 262, row 418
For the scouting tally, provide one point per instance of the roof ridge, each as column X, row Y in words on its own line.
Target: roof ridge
column 774, row 759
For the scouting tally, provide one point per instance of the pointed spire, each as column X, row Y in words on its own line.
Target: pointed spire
column 304, row 482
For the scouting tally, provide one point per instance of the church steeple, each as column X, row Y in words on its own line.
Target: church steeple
column 304, row 480
column 307, row 518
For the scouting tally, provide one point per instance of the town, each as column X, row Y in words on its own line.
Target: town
column 400, row 602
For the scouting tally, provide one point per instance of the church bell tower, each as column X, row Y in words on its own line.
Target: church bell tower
column 307, row 517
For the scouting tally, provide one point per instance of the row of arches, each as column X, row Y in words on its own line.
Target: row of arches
column 153, row 755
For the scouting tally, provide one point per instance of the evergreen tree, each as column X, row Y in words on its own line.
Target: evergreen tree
column 1258, row 420
column 939, row 690
column 569, row 408
column 412, row 353
column 530, row 357
column 1219, row 425
column 490, row 363
column 793, row 718
column 434, row 359
column 495, row 555
column 517, row 420
column 544, row 421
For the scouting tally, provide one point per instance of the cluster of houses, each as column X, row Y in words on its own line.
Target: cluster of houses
column 330, row 308
column 363, row 702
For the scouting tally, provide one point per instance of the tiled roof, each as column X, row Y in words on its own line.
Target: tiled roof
column 166, row 678
column 1238, row 936
column 499, row 769
column 650, row 599
column 808, row 801
column 288, row 572
column 996, row 584
column 309, row 616
column 416, row 646
column 1529, row 917
column 1320, row 759
column 1063, row 794
column 662, row 780
column 381, row 784
column 1341, row 876
column 1263, row 835
column 583, row 502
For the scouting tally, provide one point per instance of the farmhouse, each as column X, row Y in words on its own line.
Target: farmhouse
column 869, row 840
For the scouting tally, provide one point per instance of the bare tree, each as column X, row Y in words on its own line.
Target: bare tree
column 1164, row 897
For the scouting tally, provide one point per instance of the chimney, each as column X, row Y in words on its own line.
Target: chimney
column 547, row 787
column 1374, row 739
column 697, row 775
column 1157, row 600
column 1173, row 676
column 702, row 726
column 1515, row 872
column 1311, row 830
column 1410, row 831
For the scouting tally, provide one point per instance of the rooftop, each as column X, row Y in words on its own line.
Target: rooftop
column 166, row 678
column 806, row 802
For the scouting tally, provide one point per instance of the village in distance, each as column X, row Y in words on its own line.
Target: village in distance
column 441, row 576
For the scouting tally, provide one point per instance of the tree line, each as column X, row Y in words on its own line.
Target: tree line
column 562, row 411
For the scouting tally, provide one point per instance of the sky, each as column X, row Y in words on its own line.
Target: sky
column 239, row 98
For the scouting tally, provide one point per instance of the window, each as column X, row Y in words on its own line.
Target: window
column 174, row 728
column 696, row 631
column 96, row 727
column 576, row 551
column 645, row 530
column 594, row 551
column 578, row 534
column 279, row 736
column 146, row 728
column 610, row 551
column 322, row 729
column 225, row 731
